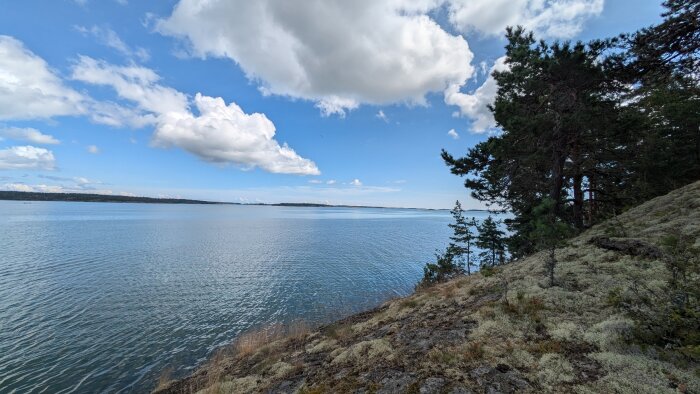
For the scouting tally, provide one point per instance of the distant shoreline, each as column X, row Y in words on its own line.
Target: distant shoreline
column 85, row 197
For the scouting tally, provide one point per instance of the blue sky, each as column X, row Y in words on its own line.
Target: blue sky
column 270, row 101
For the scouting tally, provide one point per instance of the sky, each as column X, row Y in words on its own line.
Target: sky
column 269, row 101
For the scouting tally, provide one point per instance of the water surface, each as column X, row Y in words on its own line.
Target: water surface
column 101, row 297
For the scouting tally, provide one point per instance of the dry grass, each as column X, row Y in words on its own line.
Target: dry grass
column 164, row 379
column 250, row 342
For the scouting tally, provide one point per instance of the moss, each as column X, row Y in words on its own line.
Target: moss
column 408, row 303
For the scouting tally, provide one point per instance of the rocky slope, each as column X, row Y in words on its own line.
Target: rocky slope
column 505, row 332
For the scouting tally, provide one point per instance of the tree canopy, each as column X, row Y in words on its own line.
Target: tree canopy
column 594, row 127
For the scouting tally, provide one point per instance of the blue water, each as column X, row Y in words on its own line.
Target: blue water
column 101, row 297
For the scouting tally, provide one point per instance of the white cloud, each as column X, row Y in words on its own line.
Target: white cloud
column 225, row 134
column 43, row 188
column 381, row 115
column 29, row 89
column 548, row 18
column 356, row 182
column 475, row 105
column 342, row 54
column 93, row 149
column 315, row 181
column 452, row 133
column 331, row 182
column 339, row 54
column 26, row 158
column 135, row 83
column 219, row 133
column 110, row 38
column 17, row 187
column 27, row 134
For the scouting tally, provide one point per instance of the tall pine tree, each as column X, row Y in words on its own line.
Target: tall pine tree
column 491, row 241
column 462, row 238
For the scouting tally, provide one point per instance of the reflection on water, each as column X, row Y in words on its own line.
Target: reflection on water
column 102, row 297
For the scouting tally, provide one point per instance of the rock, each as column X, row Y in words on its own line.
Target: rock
column 632, row 247
column 432, row 385
column 395, row 382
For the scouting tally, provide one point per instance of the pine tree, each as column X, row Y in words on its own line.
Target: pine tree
column 462, row 238
column 492, row 242
column 549, row 232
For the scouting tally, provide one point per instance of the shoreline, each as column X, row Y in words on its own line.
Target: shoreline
column 105, row 198
column 505, row 330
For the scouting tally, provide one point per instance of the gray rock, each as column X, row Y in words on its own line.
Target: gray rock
column 432, row 385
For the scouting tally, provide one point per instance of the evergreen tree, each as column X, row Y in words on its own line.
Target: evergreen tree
column 594, row 127
column 444, row 268
column 462, row 238
column 556, row 113
column 549, row 232
column 492, row 242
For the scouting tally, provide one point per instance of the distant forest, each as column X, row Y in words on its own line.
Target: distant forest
column 34, row 196
column 84, row 197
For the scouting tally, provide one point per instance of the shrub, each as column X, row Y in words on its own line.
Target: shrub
column 443, row 269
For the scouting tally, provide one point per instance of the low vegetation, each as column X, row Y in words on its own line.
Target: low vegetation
column 614, row 321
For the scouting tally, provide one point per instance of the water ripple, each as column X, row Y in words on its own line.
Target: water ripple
column 103, row 297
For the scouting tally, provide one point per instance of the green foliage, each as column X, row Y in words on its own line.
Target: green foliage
column 487, row 271
column 443, row 269
column 596, row 127
column 491, row 240
column 549, row 232
column 463, row 238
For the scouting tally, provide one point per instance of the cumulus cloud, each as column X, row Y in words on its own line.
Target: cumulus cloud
column 93, row 149
column 548, row 18
column 29, row 89
column 225, row 134
column 452, row 133
column 27, row 134
column 342, row 54
column 110, row 38
column 475, row 105
column 339, row 54
column 218, row 133
column 356, row 182
column 26, row 158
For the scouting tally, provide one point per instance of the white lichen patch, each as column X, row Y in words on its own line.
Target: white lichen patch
column 366, row 350
column 635, row 373
column 321, row 346
column 280, row 369
column 246, row 384
column 553, row 370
